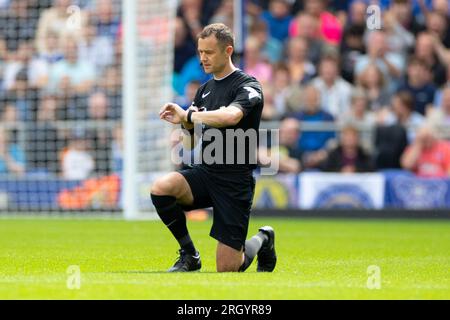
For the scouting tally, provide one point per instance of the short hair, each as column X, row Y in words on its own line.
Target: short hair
column 407, row 99
column 222, row 33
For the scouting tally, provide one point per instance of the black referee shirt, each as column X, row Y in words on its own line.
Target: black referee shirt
column 245, row 92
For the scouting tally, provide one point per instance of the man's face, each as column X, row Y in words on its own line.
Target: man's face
column 212, row 55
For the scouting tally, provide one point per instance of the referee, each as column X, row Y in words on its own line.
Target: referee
column 231, row 100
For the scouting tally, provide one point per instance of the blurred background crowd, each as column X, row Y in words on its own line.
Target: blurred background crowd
column 347, row 96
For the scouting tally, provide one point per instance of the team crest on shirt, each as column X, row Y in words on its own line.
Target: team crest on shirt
column 252, row 93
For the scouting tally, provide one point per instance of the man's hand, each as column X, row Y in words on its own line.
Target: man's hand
column 173, row 113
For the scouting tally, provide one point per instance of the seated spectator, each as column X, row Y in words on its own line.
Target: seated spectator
column 57, row 19
column 352, row 48
column 438, row 95
column 439, row 117
column 390, row 142
column 184, row 46
column 313, row 112
column 330, row 28
column 117, row 150
column 188, row 98
column 419, row 84
column 288, row 153
column 301, row 69
column 425, row 51
column 71, row 76
column 281, row 86
column 359, row 113
column 307, row 26
column 76, row 161
column 42, row 63
column 271, row 48
column 111, row 84
column 427, row 156
column 278, row 19
column 106, row 19
column 43, row 142
column 100, row 138
column 348, row 156
column 17, row 61
column 96, row 50
column 12, row 158
column 372, row 81
column 224, row 13
column 437, row 24
column 335, row 92
column 398, row 37
column 389, row 63
column 254, row 64
column 403, row 107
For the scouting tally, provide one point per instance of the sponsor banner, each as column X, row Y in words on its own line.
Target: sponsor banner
column 276, row 192
column 334, row 190
column 410, row 192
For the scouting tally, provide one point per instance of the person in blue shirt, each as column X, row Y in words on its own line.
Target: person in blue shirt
column 419, row 84
column 311, row 141
column 278, row 19
column 12, row 158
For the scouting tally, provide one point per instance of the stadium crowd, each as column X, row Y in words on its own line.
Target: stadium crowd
column 381, row 95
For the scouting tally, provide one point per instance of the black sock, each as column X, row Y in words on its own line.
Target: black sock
column 252, row 247
column 174, row 218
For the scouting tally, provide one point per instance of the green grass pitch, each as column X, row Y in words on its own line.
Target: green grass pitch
column 318, row 259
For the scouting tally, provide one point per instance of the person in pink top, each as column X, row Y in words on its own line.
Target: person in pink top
column 329, row 29
column 427, row 156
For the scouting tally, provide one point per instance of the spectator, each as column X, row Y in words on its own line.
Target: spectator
column 419, row 84
column 187, row 99
column 278, row 19
column 399, row 40
column 437, row 24
column 439, row 117
column 185, row 47
column 390, row 64
column 105, row 19
column 12, row 158
column 43, row 142
column 100, row 138
column 348, row 156
column 390, row 142
column 117, row 150
column 224, row 13
column 71, row 76
column 372, row 81
column 359, row 113
column 254, row 64
column 301, row 69
column 425, row 51
column 17, row 25
column 335, row 92
column 288, row 153
column 22, row 97
column 311, row 140
column 76, row 161
column 307, row 27
column 96, row 50
column 438, row 94
column 427, row 156
column 17, row 61
column 111, row 84
column 271, row 48
column 42, row 63
column 403, row 106
column 330, row 28
column 281, row 86
column 57, row 19
column 352, row 48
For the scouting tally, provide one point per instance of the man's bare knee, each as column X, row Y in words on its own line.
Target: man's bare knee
column 228, row 259
column 166, row 186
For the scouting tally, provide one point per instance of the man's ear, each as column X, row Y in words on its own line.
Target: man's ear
column 229, row 50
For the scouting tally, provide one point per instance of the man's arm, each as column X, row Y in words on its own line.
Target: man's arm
column 223, row 117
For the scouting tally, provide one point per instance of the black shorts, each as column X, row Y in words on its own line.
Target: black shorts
column 230, row 195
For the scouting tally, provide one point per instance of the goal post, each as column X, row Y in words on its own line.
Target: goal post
column 148, row 37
